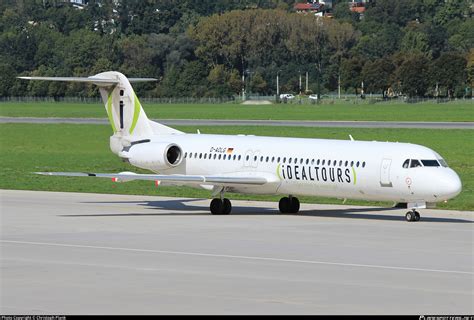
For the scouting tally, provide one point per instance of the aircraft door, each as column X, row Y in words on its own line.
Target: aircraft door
column 385, row 180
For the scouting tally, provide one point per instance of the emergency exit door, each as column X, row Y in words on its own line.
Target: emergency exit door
column 385, row 173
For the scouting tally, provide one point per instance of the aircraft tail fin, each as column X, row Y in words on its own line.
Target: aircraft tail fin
column 125, row 113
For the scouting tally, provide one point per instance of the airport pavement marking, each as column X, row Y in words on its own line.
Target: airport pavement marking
column 212, row 255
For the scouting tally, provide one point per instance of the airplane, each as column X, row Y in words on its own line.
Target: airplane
column 407, row 174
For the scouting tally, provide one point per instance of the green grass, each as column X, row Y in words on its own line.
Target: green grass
column 343, row 110
column 26, row 148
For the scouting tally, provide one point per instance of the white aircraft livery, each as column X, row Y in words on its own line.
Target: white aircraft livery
column 383, row 171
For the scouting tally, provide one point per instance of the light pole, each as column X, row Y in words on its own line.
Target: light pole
column 306, row 82
column 278, row 83
column 299, row 71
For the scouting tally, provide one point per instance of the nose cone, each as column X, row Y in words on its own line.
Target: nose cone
column 452, row 185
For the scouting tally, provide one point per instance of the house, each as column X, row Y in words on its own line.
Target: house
column 308, row 7
column 358, row 6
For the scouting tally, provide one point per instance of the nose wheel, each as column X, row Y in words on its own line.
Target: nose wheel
column 289, row 205
column 219, row 206
column 412, row 216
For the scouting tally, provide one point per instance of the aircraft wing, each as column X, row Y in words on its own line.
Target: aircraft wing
column 180, row 179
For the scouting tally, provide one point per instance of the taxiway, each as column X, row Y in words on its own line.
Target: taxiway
column 79, row 253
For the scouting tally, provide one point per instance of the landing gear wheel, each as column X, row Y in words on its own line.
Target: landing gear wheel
column 294, row 205
column 412, row 216
column 227, row 206
column 417, row 216
column 217, row 206
column 289, row 205
column 284, row 205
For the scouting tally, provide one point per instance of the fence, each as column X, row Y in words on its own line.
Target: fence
column 177, row 100
column 325, row 99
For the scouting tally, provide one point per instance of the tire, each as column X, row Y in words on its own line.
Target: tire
column 417, row 216
column 409, row 216
column 284, row 205
column 294, row 205
column 227, row 206
column 217, row 206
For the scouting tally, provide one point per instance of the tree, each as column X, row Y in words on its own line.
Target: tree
column 448, row 72
column 415, row 42
column 413, row 75
column 377, row 75
column 341, row 37
column 351, row 70
column 219, row 80
column 258, row 84
column 384, row 41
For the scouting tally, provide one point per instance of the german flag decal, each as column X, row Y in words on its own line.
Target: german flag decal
column 230, row 150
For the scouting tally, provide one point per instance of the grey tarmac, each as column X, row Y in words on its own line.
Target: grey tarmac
column 275, row 123
column 82, row 253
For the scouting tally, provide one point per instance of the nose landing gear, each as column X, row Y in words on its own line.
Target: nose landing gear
column 412, row 215
column 289, row 205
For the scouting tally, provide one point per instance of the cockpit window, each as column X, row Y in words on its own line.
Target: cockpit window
column 406, row 163
column 443, row 163
column 415, row 163
column 430, row 163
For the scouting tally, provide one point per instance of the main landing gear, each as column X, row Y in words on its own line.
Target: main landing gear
column 289, row 205
column 220, row 206
column 412, row 215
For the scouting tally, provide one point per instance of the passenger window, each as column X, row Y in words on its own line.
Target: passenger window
column 284, row 160
column 247, row 158
column 190, row 155
column 261, row 159
column 415, row 163
column 430, row 163
column 312, row 161
column 185, row 155
column 319, row 161
column 357, row 164
column 352, row 163
column 363, row 164
column 200, row 156
column 266, row 159
column 278, row 160
column 289, row 160
column 301, row 161
column 255, row 158
column 273, row 159
column 347, row 162
column 240, row 157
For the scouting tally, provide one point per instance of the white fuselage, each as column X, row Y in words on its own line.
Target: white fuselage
column 317, row 167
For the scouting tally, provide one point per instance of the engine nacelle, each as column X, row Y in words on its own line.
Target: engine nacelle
column 154, row 155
